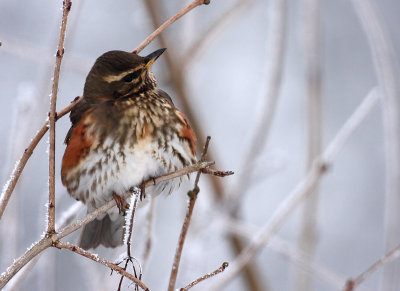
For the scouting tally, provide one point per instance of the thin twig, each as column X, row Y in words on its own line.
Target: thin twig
column 300, row 192
column 98, row 259
column 192, row 201
column 206, row 276
column 52, row 121
column 385, row 63
column 389, row 257
column 167, row 23
column 129, row 230
column 65, row 219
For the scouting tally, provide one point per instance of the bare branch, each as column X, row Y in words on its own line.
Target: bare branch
column 300, row 192
column 52, row 120
column 135, row 193
column 23, row 260
column 389, row 257
column 192, row 200
column 206, row 276
column 98, row 259
column 167, row 23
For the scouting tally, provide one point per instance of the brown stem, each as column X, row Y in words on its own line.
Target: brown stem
column 100, row 260
column 389, row 257
column 193, row 196
column 128, row 239
column 206, row 276
column 52, row 119
column 167, row 23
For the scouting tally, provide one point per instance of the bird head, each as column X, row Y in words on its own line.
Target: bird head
column 116, row 74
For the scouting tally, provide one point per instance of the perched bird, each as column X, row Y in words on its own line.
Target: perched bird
column 124, row 131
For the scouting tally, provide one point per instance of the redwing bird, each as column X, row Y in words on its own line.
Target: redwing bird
column 124, row 131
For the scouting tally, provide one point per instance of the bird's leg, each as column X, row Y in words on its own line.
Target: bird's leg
column 121, row 204
column 142, row 190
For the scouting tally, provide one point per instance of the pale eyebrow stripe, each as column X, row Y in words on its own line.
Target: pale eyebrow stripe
column 118, row 77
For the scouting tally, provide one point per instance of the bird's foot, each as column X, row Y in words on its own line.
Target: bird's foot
column 121, row 204
column 142, row 190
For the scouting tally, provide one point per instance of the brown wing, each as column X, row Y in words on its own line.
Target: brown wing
column 79, row 142
column 187, row 133
column 75, row 116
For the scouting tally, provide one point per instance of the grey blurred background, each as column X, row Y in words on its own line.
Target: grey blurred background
column 225, row 87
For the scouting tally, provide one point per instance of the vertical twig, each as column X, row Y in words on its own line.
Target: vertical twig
column 128, row 231
column 192, row 200
column 388, row 79
column 307, row 239
column 52, row 119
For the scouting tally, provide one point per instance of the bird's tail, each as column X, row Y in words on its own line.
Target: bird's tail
column 102, row 232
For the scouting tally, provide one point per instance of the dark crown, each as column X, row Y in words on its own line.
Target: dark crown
column 117, row 73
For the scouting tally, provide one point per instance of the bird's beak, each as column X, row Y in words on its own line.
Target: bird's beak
column 151, row 58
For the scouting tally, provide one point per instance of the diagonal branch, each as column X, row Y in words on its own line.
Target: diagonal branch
column 167, row 23
column 100, row 260
column 389, row 257
column 206, row 276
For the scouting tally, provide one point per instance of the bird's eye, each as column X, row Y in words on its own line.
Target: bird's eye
column 128, row 78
